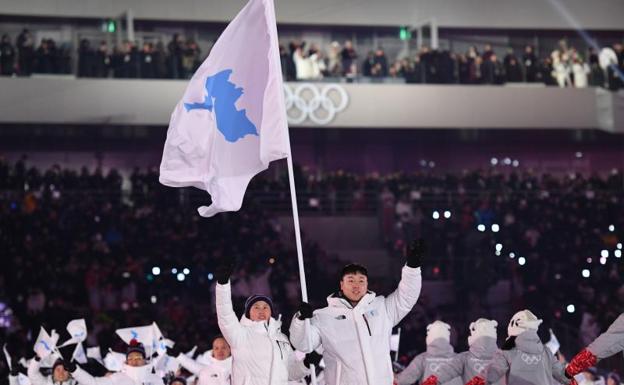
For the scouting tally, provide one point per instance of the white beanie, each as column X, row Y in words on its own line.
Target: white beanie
column 482, row 328
column 438, row 329
column 522, row 321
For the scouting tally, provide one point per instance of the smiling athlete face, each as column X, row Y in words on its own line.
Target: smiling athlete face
column 260, row 311
column 354, row 286
column 220, row 349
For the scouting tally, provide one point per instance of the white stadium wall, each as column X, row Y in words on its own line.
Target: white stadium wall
column 541, row 14
column 139, row 102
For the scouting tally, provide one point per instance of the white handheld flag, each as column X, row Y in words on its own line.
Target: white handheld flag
column 553, row 344
column 95, row 353
column 231, row 121
column 114, row 361
column 77, row 329
column 45, row 344
column 79, row 354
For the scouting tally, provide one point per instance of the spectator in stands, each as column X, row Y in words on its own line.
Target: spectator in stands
column 487, row 52
column 429, row 70
column 580, row 71
column 492, row 70
column 7, row 56
column 596, row 74
column 546, row 73
column 160, row 59
column 513, row 71
column 86, row 59
column 415, row 74
column 463, row 69
column 561, row 71
column 175, row 49
column 446, row 67
column 148, row 64
column 190, row 58
column 334, row 68
column 368, row 64
column 26, row 52
column 380, row 63
column 531, row 65
column 45, row 57
column 102, row 60
column 348, row 56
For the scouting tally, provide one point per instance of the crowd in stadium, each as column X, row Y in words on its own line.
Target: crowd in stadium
column 564, row 66
column 144, row 255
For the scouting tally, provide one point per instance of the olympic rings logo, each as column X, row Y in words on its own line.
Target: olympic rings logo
column 433, row 367
column 306, row 101
column 478, row 367
column 531, row 359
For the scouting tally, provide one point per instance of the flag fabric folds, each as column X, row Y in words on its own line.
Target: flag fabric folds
column 231, row 121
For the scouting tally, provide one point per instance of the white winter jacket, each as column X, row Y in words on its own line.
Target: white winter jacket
column 214, row 373
column 261, row 353
column 128, row 376
column 36, row 378
column 356, row 340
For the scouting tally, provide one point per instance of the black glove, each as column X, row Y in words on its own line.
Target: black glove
column 305, row 311
column 224, row 270
column 312, row 358
column 173, row 352
column 416, row 252
column 70, row 366
column 15, row 366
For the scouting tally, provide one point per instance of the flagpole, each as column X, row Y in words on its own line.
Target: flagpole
column 396, row 356
column 295, row 211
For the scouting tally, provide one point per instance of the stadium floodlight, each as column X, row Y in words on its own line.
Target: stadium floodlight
column 186, row 271
column 436, row 215
column 603, row 260
column 153, row 299
column 495, row 228
column 174, row 271
column 521, row 261
column 578, row 154
column 617, row 253
column 570, row 308
column 447, row 214
column 604, row 253
column 210, row 276
column 493, row 161
column 585, row 273
column 499, row 246
column 156, row 270
column 512, row 255
column 611, row 228
column 181, row 277
column 481, row 227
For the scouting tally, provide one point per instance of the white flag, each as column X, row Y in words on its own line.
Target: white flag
column 553, row 344
column 79, row 354
column 114, row 361
column 231, row 122
column 95, row 353
column 45, row 344
column 77, row 329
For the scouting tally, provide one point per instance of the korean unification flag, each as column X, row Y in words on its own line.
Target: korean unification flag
column 231, row 122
